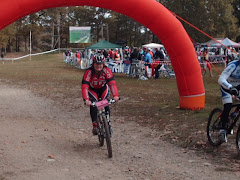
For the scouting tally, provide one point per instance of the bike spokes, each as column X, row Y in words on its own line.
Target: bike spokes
column 214, row 126
column 100, row 132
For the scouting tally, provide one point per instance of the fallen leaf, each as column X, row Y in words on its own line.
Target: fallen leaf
column 201, row 143
column 51, row 156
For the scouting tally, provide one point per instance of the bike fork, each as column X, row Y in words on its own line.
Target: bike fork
column 109, row 124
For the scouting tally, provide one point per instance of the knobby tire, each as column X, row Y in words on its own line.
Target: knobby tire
column 238, row 140
column 213, row 127
column 100, row 131
column 107, row 136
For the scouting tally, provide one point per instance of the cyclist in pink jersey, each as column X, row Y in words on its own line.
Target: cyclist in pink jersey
column 97, row 81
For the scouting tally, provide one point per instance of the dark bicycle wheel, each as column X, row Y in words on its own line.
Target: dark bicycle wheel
column 238, row 140
column 100, row 131
column 214, row 126
column 108, row 137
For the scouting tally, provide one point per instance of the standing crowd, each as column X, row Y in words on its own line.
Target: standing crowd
column 142, row 61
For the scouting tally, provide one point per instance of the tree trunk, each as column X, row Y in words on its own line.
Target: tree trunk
column 25, row 42
column 17, row 43
column 9, row 46
column 146, row 35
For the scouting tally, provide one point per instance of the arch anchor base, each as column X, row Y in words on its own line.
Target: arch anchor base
column 192, row 102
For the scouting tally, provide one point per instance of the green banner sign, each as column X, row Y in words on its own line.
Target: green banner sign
column 80, row 34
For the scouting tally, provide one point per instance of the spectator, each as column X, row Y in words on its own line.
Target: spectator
column 105, row 53
column 126, row 52
column 159, row 55
column 78, row 56
column 163, row 52
column 229, row 54
column 2, row 56
column 110, row 53
column 84, row 54
column 206, row 63
column 66, row 53
column 116, row 55
column 147, row 61
column 148, row 57
column 66, row 56
column 143, row 53
column 151, row 53
column 134, row 55
column 140, row 54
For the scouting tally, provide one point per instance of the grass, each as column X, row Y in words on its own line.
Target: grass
column 153, row 103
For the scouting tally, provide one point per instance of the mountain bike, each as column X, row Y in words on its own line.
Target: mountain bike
column 104, row 128
column 214, row 125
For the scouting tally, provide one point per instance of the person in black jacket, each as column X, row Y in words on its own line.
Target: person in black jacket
column 159, row 55
column 134, row 54
column 105, row 53
column 2, row 56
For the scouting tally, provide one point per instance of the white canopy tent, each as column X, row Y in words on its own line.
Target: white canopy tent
column 227, row 42
column 153, row 45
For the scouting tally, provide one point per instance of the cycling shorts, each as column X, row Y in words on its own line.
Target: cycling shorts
column 95, row 94
column 226, row 96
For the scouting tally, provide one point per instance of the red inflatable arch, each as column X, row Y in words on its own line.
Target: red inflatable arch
column 147, row 12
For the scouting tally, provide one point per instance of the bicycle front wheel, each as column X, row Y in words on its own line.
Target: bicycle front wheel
column 213, row 127
column 238, row 140
column 100, row 131
column 107, row 136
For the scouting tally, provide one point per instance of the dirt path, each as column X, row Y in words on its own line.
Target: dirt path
column 42, row 140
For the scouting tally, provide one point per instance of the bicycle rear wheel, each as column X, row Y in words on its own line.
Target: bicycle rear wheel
column 107, row 136
column 213, row 127
column 100, row 131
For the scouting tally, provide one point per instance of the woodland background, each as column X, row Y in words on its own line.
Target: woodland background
column 50, row 28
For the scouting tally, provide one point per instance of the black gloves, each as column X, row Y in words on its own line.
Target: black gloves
column 233, row 90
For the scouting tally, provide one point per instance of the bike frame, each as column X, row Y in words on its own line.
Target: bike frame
column 104, row 114
column 235, row 119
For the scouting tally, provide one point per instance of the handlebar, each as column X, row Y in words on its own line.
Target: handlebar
column 237, row 98
column 103, row 103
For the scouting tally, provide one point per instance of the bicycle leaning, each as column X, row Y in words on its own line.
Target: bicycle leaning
column 104, row 128
column 214, row 125
column 166, row 72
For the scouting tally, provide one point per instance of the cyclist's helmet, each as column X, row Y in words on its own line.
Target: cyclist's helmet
column 99, row 58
